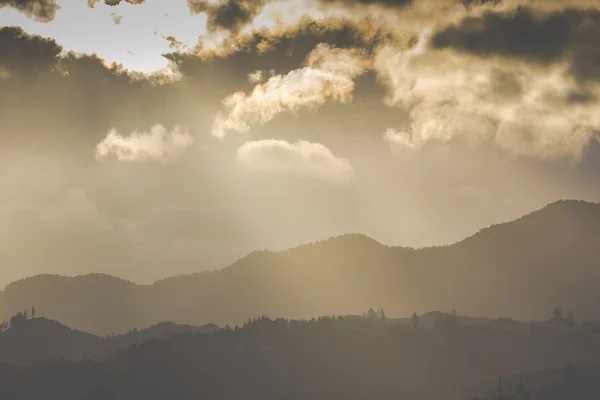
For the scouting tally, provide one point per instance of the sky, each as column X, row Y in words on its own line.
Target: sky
column 157, row 138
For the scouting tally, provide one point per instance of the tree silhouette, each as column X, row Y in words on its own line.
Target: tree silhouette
column 521, row 392
column 556, row 315
column 18, row 319
column 500, row 392
column 415, row 320
column 372, row 314
column 570, row 318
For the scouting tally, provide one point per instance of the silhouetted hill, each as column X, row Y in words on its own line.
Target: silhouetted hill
column 40, row 340
column 326, row 358
column 521, row 269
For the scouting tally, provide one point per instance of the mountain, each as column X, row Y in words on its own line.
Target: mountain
column 520, row 269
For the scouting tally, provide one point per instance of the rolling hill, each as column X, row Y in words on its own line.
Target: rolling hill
column 520, row 269
column 41, row 340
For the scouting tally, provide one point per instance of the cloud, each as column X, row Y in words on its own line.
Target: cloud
column 40, row 10
column 221, row 69
column 525, row 108
column 386, row 3
column 23, row 53
column 401, row 140
column 519, row 33
column 292, row 42
column 173, row 42
column 569, row 34
column 156, row 145
column 301, row 158
column 92, row 3
column 405, row 3
column 328, row 75
column 256, row 76
column 231, row 15
column 117, row 19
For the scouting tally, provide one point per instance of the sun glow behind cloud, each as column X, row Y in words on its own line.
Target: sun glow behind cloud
column 331, row 119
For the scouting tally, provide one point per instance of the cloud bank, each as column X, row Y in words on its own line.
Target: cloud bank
column 512, row 78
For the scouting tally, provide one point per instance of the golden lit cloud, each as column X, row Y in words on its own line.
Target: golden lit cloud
column 156, row 145
column 526, row 109
column 301, row 158
column 328, row 75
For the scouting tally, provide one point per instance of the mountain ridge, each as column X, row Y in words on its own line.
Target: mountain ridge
column 502, row 270
column 303, row 245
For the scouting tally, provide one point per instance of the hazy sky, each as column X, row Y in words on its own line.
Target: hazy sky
column 167, row 137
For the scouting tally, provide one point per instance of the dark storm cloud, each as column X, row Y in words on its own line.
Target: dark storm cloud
column 23, row 54
column 571, row 34
column 40, row 10
column 231, row 15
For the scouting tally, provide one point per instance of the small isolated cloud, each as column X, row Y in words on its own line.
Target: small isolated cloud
column 156, row 145
column 173, row 42
column 117, row 19
column 40, row 10
column 328, row 75
column 301, row 158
